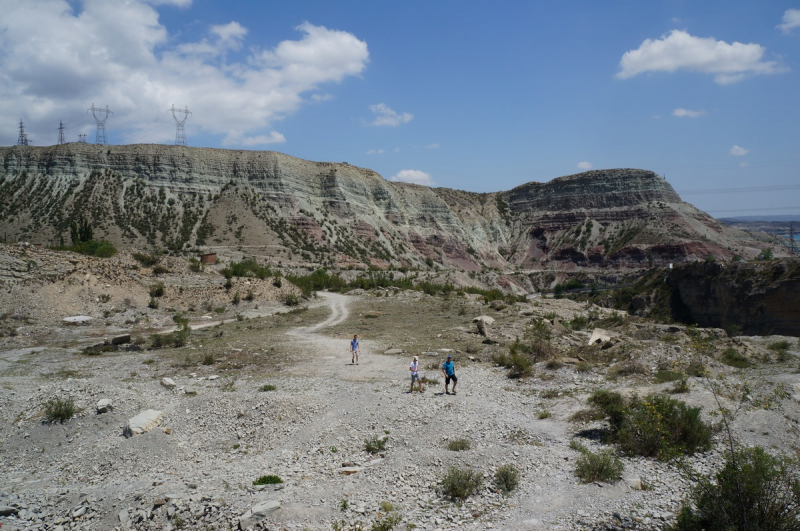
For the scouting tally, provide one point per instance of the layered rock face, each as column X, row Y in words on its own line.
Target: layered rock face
column 294, row 210
column 762, row 298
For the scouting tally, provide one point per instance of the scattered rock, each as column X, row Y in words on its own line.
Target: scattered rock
column 144, row 422
column 258, row 513
column 169, row 383
column 599, row 336
column 121, row 340
column 104, row 405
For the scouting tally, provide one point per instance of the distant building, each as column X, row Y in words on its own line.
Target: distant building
column 208, row 258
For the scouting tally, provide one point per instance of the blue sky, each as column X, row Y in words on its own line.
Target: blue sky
column 479, row 96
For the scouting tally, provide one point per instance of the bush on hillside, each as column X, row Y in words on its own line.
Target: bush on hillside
column 653, row 426
column 754, row 490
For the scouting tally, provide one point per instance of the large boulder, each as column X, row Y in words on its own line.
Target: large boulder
column 483, row 322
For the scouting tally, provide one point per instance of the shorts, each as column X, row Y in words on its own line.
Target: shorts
column 414, row 377
column 451, row 377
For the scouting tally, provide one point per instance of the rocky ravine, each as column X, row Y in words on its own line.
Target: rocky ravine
column 295, row 211
column 218, row 431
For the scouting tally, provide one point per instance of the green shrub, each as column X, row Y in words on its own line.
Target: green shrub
column 583, row 367
column 236, row 298
column 291, row 299
column 753, row 491
column 544, row 414
column 147, row 260
column 460, row 484
column 159, row 270
column 267, row 387
column 59, row 409
column 459, row 445
column 268, row 480
column 208, row 359
column 599, row 466
column 157, row 289
column 664, row 375
column 654, row 426
column 100, row 249
column 506, row 478
column 734, row 358
column 553, row 365
column 374, row 445
column 681, row 386
column 518, row 362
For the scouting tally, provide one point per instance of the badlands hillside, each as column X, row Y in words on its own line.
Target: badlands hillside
column 122, row 422
column 292, row 211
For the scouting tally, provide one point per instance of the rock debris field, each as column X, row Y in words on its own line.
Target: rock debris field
column 277, row 395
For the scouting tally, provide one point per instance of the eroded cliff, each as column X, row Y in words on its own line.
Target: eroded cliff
column 294, row 210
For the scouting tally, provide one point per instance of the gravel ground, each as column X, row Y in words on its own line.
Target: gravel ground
column 220, row 431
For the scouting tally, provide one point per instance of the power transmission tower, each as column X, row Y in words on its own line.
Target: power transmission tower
column 100, row 116
column 180, row 131
column 61, row 132
column 81, row 139
column 23, row 136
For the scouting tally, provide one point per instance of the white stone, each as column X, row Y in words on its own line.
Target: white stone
column 257, row 513
column 599, row 336
column 144, row 422
column 104, row 405
column 169, row 383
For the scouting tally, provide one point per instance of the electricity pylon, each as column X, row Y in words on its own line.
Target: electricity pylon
column 61, row 132
column 23, row 136
column 100, row 116
column 180, row 131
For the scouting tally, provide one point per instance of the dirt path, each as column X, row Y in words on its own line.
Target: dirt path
column 327, row 355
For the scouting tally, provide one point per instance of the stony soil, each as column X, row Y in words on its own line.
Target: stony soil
column 220, row 431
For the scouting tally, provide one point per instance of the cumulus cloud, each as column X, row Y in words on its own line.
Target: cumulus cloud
column 584, row 165
column 791, row 20
column 117, row 53
column 677, row 50
column 375, row 152
column 386, row 116
column 737, row 151
column 413, row 176
column 687, row 113
column 273, row 138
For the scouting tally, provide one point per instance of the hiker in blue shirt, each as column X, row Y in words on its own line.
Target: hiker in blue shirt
column 354, row 350
column 449, row 374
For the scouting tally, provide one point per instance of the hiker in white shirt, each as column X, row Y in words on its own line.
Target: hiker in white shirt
column 414, row 368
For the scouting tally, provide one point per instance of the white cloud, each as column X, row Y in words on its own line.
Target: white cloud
column 273, row 138
column 678, row 50
column 319, row 98
column 432, row 146
column 687, row 113
column 737, row 151
column 387, row 116
column 117, row 53
column 413, row 176
column 791, row 20
column 375, row 152
column 177, row 3
column 584, row 165
column 743, row 164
